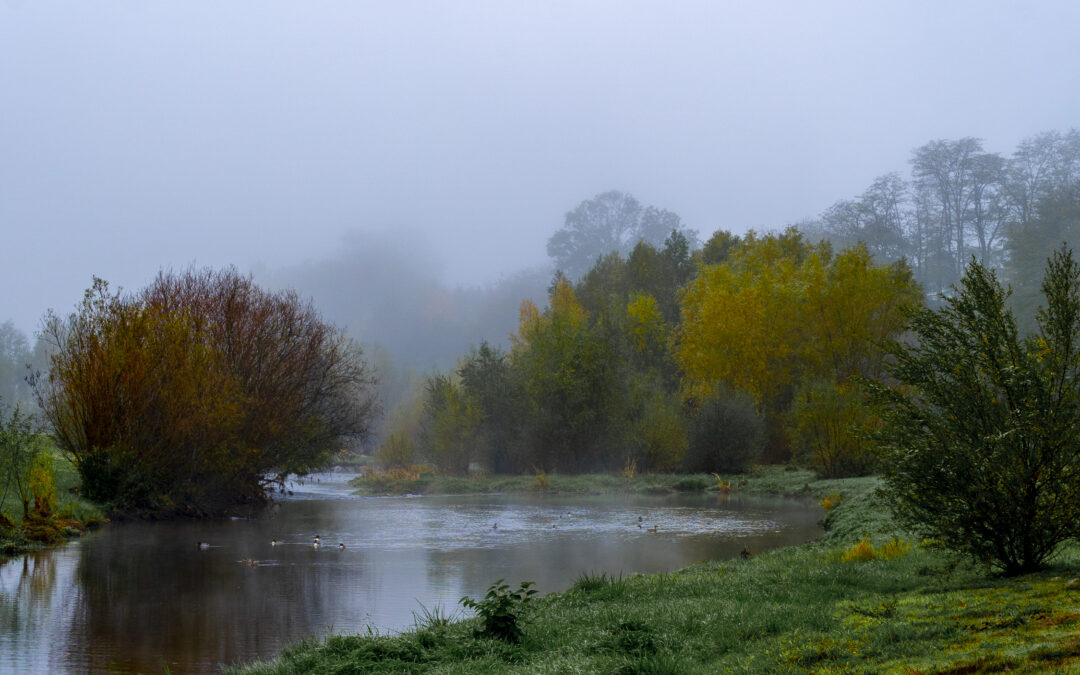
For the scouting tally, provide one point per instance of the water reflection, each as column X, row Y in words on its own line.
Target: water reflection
column 139, row 596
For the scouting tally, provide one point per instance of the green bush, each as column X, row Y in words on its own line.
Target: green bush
column 501, row 610
column 726, row 434
column 982, row 432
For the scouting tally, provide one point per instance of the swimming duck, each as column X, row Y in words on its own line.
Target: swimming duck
column 202, row 546
column 495, row 526
column 254, row 563
column 273, row 542
column 341, row 546
column 745, row 552
column 315, row 545
column 244, row 561
column 317, row 540
column 653, row 529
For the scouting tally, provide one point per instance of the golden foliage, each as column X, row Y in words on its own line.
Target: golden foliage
column 864, row 551
column 861, row 552
column 780, row 308
column 541, row 481
column 831, row 502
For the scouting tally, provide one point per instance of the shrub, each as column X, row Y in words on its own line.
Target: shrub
column 725, row 434
column 501, row 610
column 661, row 433
column 199, row 392
column 396, row 452
column 831, row 502
column 860, row 552
column 829, row 429
column 981, row 429
column 42, row 484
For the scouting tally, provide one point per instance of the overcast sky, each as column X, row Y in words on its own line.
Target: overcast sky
column 141, row 135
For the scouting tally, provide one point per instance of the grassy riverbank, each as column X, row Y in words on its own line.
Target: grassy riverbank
column 71, row 517
column 419, row 481
column 866, row 598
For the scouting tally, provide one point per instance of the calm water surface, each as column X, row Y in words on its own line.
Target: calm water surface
column 139, row 596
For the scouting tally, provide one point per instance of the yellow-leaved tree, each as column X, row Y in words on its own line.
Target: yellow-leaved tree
column 780, row 314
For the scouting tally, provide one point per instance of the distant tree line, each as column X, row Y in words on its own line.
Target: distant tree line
column 1009, row 212
column 675, row 358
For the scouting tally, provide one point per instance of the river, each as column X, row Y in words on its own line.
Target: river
column 137, row 597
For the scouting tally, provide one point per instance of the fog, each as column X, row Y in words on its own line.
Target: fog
column 442, row 143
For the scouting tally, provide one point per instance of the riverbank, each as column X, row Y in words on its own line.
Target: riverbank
column 761, row 480
column 867, row 597
column 72, row 516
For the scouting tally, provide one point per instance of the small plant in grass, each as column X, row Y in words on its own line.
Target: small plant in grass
column 541, row 481
column 894, row 549
column 434, row 619
column 629, row 469
column 588, row 582
column 864, row 551
column 501, row 610
column 861, row 552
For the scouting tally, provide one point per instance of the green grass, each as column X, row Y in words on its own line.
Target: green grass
column 798, row 609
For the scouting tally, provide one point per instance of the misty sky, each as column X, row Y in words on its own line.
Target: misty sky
column 141, row 135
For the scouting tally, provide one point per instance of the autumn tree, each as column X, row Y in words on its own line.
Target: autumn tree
column 199, row 392
column 782, row 311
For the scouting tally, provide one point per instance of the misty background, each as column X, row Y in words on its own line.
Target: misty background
column 406, row 164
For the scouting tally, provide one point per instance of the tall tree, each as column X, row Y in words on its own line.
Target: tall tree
column 571, row 382
column 960, row 184
column 609, row 222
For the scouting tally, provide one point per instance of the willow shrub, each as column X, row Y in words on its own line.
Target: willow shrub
column 981, row 429
column 199, row 392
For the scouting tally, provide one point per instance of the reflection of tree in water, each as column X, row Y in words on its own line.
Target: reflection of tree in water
column 150, row 597
column 37, row 606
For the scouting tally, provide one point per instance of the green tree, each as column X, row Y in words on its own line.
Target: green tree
column 451, row 426
column 571, row 380
column 1055, row 221
column 981, row 433
column 20, row 445
column 488, row 383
